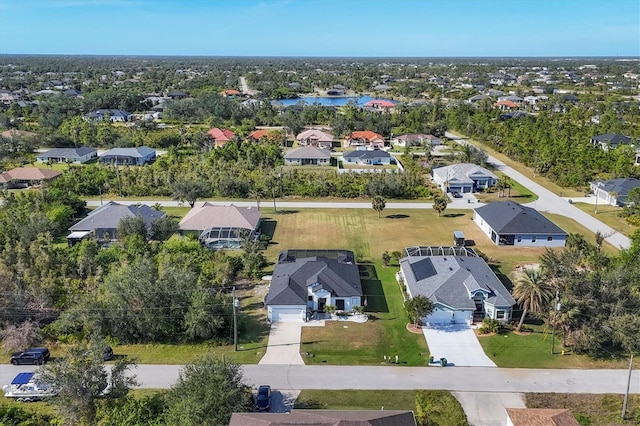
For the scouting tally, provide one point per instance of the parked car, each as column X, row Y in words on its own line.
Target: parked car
column 108, row 353
column 263, row 399
column 456, row 195
column 33, row 356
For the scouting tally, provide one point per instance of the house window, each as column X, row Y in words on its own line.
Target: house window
column 533, row 239
column 500, row 315
column 340, row 304
column 550, row 238
column 310, row 298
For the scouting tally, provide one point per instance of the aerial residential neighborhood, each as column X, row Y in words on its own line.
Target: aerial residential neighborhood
column 296, row 212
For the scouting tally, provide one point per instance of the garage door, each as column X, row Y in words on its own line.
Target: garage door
column 438, row 317
column 286, row 314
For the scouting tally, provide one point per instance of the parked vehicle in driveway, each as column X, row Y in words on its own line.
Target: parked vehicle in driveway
column 263, row 399
column 32, row 356
column 456, row 195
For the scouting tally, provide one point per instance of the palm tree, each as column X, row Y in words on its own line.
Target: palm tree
column 532, row 292
column 507, row 183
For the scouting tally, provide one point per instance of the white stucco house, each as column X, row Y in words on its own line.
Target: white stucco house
column 463, row 178
column 308, row 155
column 461, row 286
column 305, row 281
column 511, row 224
column 615, row 191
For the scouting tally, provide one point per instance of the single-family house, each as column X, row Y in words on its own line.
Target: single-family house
column 305, row 281
column 511, row 224
column 459, row 283
column 615, row 191
column 221, row 227
column 610, row 140
column 220, row 136
column 308, row 155
column 478, row 98
column 74, row 155
column 258, row 134
column 315, row 137
column 540, row 417
column 115, row 115
column 365, row 138
column 505, row 105
column 367, row 157
column 463, row 177
column 24, row 177
column 102, row 223
column 230, row 93
column 177, row 95
column 380, row 104
column 128, row 156
column 326, row 418
column 415, row 139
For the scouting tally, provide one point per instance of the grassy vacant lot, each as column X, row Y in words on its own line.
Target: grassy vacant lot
column 593, row 410
column 609, row 215
column 442, row 407
column 385, row 334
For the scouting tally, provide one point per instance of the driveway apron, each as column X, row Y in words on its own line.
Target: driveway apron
column 284, row 344
column 457, row 343
column 488, row 408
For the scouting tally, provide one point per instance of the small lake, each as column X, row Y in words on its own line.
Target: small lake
column 328, row 100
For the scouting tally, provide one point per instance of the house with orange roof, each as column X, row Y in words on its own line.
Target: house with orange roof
column 220, row 136
column 23, row 177
column 539, row 417
column 380, row 104
column 505, row 105
column 230, row 93
column 365, row 138
column 257, row 134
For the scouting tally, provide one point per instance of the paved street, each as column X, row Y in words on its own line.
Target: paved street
column 457, row 379
column 550, row 202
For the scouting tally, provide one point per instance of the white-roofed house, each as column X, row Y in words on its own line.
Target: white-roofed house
column 463, row 178
column 316, row 138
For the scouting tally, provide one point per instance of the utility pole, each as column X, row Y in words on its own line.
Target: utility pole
column 235, row 319
column 626, row 395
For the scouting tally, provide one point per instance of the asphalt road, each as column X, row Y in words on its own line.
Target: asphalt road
column 457, row 379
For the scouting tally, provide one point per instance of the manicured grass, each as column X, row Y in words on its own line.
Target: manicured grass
column 385, row 334
column 519, row 194
column 357, row 399
column 510, row 350
column 589, row 409
column 571, row 226
column 609, row 215
column 176, row 212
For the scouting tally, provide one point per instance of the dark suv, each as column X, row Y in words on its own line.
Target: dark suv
column 263, row 399
column 34, row 356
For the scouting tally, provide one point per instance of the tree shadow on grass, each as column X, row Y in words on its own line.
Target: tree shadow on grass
column 397, row 216
column 453, row 215
column 286, row 212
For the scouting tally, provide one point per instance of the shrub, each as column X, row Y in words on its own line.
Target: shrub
column 489, row 326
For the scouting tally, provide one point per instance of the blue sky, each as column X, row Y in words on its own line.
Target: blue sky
column 423, row 28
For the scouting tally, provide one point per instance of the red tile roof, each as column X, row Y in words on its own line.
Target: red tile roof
column 380, row 103
column 220, row 134
column 230, row 92
column 366, row 134
column 257, row 134
column 508, row 104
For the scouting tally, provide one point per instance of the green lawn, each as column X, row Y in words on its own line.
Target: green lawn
column 510, row 350
column 357, row 399
column 609, row 215
column 385, row 334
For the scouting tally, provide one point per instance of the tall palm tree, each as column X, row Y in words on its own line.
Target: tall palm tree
column 532, row 292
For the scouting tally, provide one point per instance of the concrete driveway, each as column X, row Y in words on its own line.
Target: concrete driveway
column 488, row 408
column 457, row 343
column 284, row 344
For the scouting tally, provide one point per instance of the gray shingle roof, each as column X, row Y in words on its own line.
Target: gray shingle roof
column 613, row 139
column 367, row 154
column 448, row 280
column 308, row 152
column 68, row 152
column 621, row 187
column 463, row 173
column 512, row 218
column 291, row 279
column 139, row 152
column 109, row 216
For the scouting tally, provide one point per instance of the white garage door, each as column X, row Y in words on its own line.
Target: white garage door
column 438, row 317
column 286, row 314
